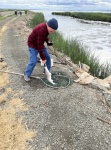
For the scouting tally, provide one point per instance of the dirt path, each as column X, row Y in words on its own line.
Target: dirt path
column 57, row 119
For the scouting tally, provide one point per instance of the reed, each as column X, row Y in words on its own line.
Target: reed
column 74, row 50
column 106, row 17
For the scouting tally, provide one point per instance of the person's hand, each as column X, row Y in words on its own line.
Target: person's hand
column 50, row 44
column 43, row 62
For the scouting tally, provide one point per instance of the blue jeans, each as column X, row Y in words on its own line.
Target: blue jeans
column 33, row 60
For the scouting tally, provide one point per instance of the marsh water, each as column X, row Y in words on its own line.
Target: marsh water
column 94, row 36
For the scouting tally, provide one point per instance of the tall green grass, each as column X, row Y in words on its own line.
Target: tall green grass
column 74, row 50
column 38, row 18
column 1, row 18
column 106, row 17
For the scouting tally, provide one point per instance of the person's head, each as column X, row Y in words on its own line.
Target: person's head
column 52, row 25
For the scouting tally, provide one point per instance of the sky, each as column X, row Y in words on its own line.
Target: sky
column 59, row 5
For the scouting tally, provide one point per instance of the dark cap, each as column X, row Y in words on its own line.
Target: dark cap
column 53, row 23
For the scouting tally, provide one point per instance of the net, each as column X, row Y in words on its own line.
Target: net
column 59, row 79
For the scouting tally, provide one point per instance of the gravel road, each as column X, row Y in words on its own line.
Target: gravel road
column 64, row 119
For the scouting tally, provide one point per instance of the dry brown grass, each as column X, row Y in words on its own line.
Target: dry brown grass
column 2, row 98
column 13, row 134
column 17, row 104
column 4, row 80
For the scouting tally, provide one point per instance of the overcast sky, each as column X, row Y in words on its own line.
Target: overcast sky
column 57, row 4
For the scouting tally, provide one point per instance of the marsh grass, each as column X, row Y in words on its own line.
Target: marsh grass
column 1, row 18
column 77, row 53
column 38, row 18
column 4, row 17
column 74, row 50
column 106, row 17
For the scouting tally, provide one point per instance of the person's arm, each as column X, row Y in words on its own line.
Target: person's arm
column 40, row 41
column 42, row 36
column 49, row 43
